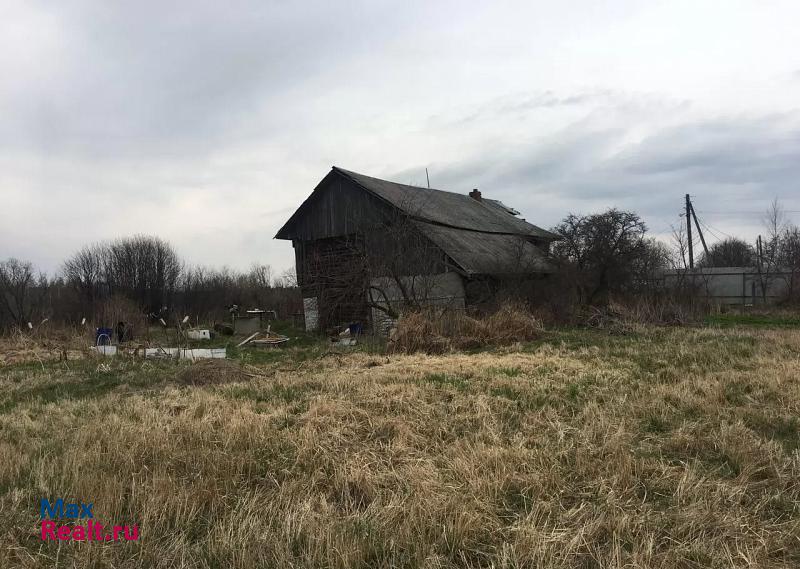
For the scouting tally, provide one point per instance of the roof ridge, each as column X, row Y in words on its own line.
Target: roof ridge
column 348, row 172
column 490, row 218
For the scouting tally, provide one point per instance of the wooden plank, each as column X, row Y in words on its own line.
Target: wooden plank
column 250, row 337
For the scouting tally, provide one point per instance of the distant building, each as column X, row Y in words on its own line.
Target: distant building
column 365, row 247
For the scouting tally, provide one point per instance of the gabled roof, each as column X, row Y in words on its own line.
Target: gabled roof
column 448, row 208
column 482, row 237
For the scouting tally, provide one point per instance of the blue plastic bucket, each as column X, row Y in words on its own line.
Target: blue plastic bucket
column 102, row 336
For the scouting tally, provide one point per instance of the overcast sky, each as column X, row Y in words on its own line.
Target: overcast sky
column 208, row 123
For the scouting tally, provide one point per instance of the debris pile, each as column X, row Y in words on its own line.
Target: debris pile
column 185, row 353
column 267, row 338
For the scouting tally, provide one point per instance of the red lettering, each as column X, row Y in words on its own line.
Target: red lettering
column 48, row 530
column 92, row 531
column 134, row 535
column 63, row 533
column 79, row 533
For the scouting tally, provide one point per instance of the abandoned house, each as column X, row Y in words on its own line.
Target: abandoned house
column 366, row 247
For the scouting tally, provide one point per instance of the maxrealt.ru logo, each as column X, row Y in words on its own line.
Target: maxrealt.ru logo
column 89, row 531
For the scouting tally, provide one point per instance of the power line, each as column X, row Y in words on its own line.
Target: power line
column 759, row 198
column 705, row 211
column 710, row 227
column 712, row 233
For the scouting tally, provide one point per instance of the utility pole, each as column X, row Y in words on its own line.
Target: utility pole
column 428, row 178
column 690, row 214
column 760, row 252
column 689, row 230
column 699, row 231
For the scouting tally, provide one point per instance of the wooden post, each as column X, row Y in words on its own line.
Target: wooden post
column 689, row 230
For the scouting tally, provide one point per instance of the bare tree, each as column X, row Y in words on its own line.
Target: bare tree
column 22, row 292
column 143, row 268
column 260, row 276
column 680, row 248
column 768, row 250
column 287, row 279
column 774, row 220
column 204, row 292
column 604, row 253
column 789, row 259
column 85, row 272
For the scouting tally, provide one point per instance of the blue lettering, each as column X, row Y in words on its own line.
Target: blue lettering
column 58, row 509
column 52, row 511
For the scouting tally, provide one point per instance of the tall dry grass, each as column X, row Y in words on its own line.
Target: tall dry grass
column 436, row 332
column 662, row 449
column 43, row 344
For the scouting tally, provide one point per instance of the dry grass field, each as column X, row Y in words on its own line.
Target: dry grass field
column 663, row 447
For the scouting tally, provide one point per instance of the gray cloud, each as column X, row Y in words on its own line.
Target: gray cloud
column 160, row 79
column 208, row 125
column 728, row 163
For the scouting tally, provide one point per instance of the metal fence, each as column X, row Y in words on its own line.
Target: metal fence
column 744, row 286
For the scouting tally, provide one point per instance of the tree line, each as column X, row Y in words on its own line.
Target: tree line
column 610, row 254
column 136, row 278
column 600, row 256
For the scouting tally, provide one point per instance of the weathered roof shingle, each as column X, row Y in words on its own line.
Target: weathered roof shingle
column 448, row 208
column 478, row 253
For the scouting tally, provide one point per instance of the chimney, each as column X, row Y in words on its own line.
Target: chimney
column 475, row 194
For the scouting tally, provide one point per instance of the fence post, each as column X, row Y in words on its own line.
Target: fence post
column 744, row 289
